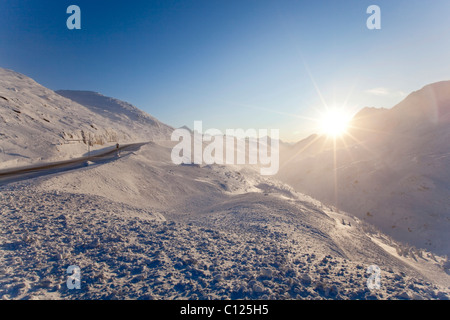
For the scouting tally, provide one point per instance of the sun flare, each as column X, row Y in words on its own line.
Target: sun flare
column 334, row 122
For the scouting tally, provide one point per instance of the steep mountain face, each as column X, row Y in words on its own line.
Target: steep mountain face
column 37, row 124
column 122, row 113
column 391, row 169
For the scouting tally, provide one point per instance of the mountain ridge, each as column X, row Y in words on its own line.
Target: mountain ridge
column 390, row 169
column 39, row 124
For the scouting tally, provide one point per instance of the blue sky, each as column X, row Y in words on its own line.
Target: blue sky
column 232, row 63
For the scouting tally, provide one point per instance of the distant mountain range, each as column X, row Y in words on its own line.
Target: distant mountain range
column 391, row 169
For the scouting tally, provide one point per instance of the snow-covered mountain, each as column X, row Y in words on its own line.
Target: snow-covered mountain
column 38, row 124
column 392, row 169
column 140, row 227
column 121, row 113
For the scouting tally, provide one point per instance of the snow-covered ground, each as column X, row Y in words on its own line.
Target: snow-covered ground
column 140, row 227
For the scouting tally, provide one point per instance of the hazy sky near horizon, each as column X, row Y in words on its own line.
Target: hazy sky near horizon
column 232, row 63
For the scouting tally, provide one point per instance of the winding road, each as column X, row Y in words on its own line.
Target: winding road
column 27, row 172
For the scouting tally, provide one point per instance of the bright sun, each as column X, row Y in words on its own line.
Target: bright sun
column 334, row 122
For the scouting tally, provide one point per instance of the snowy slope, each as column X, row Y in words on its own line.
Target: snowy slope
column 391, row 170
column 37, row 124
column 121, row 113
column 140, row 227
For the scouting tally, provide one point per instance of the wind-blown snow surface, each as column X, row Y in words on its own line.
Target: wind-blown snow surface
column 37, row 124
column 140, row 227
column 391, row 170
